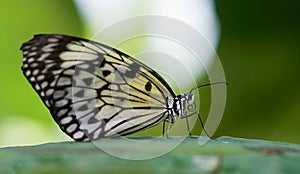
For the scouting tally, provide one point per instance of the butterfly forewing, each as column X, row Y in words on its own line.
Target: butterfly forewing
column 92, row 90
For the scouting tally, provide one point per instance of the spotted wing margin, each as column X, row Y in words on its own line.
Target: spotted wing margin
column 93, row 90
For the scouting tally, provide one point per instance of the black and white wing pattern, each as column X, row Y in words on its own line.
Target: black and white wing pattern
column 92, row 90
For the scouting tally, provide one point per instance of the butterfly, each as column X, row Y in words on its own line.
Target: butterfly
column 94, row 91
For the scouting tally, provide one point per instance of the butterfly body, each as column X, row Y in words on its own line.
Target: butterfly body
column 94, row 91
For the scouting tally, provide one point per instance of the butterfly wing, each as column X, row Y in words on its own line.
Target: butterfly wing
column 92, row 90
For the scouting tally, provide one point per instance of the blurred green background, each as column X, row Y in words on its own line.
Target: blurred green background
column 259, row 49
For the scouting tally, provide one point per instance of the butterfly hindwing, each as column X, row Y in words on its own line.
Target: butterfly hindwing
column 93, row 90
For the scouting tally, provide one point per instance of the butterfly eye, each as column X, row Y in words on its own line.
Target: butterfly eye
column 148, row 86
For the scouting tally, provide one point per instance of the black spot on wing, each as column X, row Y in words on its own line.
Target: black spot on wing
column 106, row 73
column 148, row 86
column 83, row 108
column 88, row 81
column 133, row 70
column 79, row 93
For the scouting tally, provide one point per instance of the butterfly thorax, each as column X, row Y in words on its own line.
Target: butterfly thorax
column 178, row 106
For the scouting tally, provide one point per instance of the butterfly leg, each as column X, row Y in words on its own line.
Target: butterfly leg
column 188, row 126
column 163, row 129
column 202, row 125
column 168, row 129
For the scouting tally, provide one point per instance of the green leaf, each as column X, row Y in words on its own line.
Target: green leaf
column 221, row 155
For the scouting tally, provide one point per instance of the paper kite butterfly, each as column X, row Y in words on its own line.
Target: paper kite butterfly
column 94, row 91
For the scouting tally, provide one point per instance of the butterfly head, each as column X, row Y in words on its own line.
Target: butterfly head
column 184, row 103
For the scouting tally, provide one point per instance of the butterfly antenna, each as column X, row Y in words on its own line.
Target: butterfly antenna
column 207, row 84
